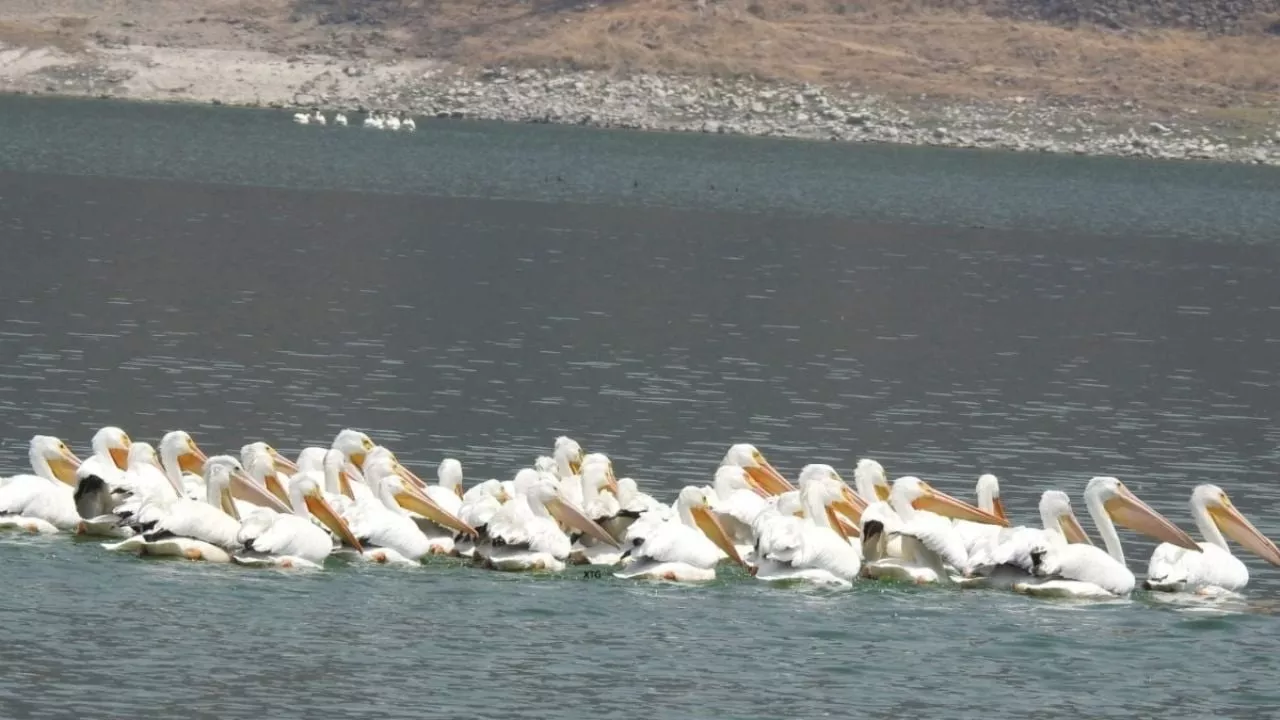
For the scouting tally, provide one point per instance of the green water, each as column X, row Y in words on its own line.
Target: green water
column 475, row 290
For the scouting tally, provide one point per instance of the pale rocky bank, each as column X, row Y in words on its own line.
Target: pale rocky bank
column 242, row 64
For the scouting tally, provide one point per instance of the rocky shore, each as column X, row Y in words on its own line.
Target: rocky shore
column 638, row 101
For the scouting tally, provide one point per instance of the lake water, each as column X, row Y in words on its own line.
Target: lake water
column 475, row 290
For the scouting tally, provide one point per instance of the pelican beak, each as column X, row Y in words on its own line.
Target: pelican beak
column 1072, row 530
column 764, row 476
column 227, row 503
column 839, row 525
column 710, row 526
column 414, row 500
column 850, row 505
column 457, row 490
column 998, row 507
column 192, row 460
column 570, row 516
column 64, row 467
column 283, row 464
column 408, row 476
column 120, row 455
column 611, row 482
column 245, row 489
column 357, row 459
column 1125, row 508
column 943, row 504
column 882, row 492
column 323, row 512
column 344, row 485
column 575, row 467
column 1236, row 527
column 275, row 487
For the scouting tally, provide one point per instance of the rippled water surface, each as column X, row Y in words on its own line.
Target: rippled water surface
column 475, row 290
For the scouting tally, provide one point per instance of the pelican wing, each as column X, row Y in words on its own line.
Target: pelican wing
column 675, row 542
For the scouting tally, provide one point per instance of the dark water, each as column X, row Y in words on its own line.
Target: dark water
column 476, row 290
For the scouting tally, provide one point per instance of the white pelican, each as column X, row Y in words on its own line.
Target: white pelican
column 1007, row 558
column 1213, row 569
column 302, row 118
column 42, row 502
column 340, row 120
column 684, row 548
column 1084, row 571
column 738, row 501
column 355, row 446
column 975, row 535
column 816, row 548
column 910, row 538
column 291, row 539
column 524, row 534
column 387, row 523
column 601, row 507
column 568, row 456
column 318, row 118
column 110, row 456
column 373, row 121
column 763, row 475
column 271, row 465
column 392, row 122
column 408, row 124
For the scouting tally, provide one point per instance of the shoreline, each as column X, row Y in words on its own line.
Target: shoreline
column 672, row 103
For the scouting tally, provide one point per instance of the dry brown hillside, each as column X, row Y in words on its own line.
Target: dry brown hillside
column 1164, row 52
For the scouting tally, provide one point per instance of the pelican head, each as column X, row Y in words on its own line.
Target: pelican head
column 142, row 453
column 392, row 479
column 600, row 476
column 450, row 475
column 355, row 445
column 870, row 480
column 114, row 443
column 308, row 500
column 569, row 456
column 545, row 464
column 920, row 495
column 380, row 453
column 762, row 474
column 263, row 467
column 226, row 480
column 822, row 487
column 545, row 489
column 1213, row 500
column 731, row 478
column 988, row 491
column 1124, row 508
column 311, row 459
column 52, row 459
column 1056, row 512
column 281, row 463
column 177, row 449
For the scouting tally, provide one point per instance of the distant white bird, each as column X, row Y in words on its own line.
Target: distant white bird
column 318, row 118
column 302, row 118
column 373, row 121
column 392, row 122
column 340, row 120
column 408, row 124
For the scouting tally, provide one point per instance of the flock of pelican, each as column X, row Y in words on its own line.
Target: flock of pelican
column 356, row 498
column 374, row 120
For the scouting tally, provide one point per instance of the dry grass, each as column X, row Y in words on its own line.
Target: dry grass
column 66, row 34
column 952, row 48
column 888, row 47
